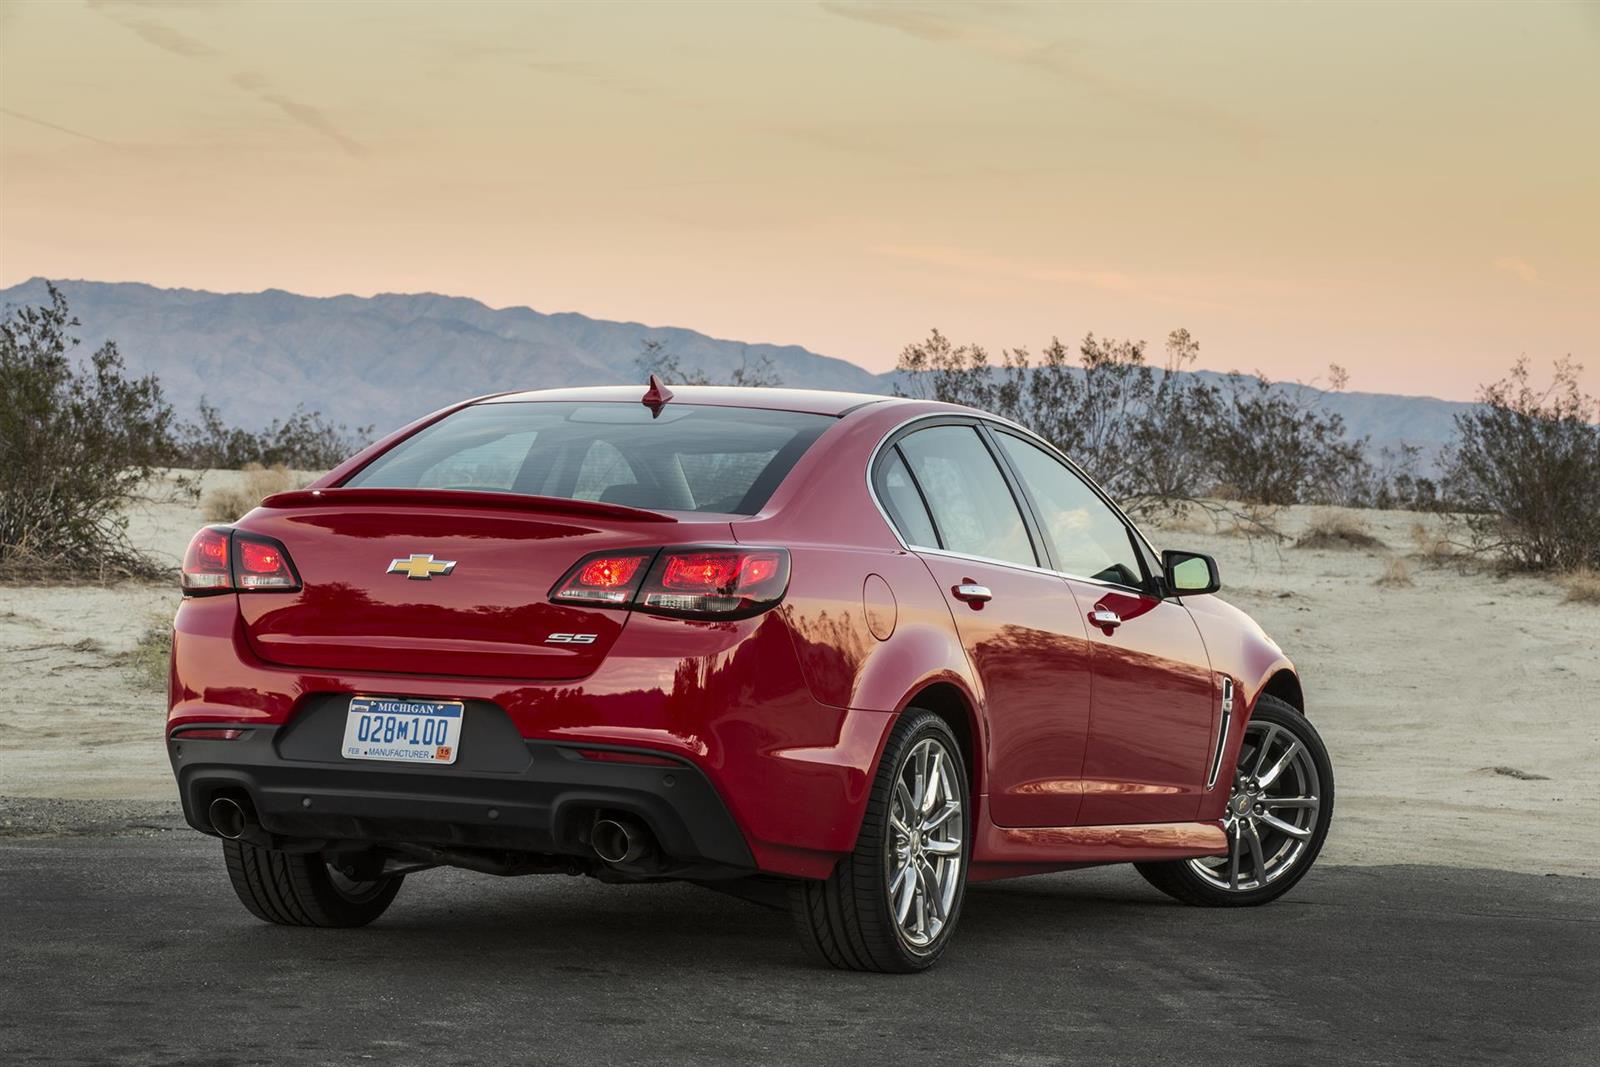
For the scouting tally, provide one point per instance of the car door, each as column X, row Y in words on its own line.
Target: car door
column 1022, row 630
column 1153, row 710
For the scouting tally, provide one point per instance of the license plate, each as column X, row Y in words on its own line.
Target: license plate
column 406, row 731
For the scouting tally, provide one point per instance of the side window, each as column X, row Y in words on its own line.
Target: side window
column 972, row 506
column 904, row 504
column 1087, row 537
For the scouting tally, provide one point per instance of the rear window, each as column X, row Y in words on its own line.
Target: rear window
column 689, row 458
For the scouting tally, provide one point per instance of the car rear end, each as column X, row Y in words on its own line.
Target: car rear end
column 526, row 636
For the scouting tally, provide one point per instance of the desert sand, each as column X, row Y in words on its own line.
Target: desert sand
column 1462, row 710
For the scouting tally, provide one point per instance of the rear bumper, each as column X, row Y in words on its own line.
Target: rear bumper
column 504, row 793
column 725, row 700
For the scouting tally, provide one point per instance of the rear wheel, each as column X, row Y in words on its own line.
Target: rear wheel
column 892, row 904
column 1278, row 814
column 301, row 889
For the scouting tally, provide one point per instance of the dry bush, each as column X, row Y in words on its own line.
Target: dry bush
column 148, row 663
column 78, row 440
column 1396, row 575
column 1248, row 521
column 224, row 504
column 1434, row 547
column 1582, row 585
column 1526, row 472
column 1337, row 529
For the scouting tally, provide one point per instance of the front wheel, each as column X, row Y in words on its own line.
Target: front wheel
column 892, row 904
column 1278, row 815
column 300, row 889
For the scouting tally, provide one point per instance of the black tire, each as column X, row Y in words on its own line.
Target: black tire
column 299, row 889
column 1179, row 880
column 846, row 920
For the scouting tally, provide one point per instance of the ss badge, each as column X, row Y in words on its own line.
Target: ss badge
column 571, row 639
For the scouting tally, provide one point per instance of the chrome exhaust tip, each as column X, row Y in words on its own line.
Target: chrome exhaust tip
column 620, row 840
column 228, row 818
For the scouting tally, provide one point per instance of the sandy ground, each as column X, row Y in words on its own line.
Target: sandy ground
column 1421, row 691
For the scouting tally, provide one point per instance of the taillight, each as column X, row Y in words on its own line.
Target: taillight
column 697, row 582
column 716, row 582
column 262, row 564
column 205, row 564
column 604, row 579
column 221, row 560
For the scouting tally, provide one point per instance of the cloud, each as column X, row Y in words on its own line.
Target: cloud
column 175, row 42
column 1521, row 268
column 967, row 26
column 978, row 263
column 58, row 128
column 159, row 34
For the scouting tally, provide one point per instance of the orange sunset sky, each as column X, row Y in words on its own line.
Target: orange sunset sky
column 1410, row 190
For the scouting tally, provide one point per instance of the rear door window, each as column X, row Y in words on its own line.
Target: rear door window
column 689, row 458
column 971, row 505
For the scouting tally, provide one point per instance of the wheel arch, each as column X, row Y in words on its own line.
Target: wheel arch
column 1285, row 685
column 951, row 703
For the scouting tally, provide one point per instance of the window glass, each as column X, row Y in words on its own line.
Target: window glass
column 714, row 459
column 492, row 465
column 603, row 468
column 903, row 502
column 1086, row 536
column 971, row 503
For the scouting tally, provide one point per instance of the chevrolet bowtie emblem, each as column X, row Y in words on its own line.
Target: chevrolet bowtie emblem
column 424, row 567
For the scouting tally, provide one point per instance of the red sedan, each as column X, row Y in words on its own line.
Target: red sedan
column 842, row 653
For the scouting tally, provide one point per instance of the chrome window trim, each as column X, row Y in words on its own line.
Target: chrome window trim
column 978, row 416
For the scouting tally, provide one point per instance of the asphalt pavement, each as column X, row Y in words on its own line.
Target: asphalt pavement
column 134, row 950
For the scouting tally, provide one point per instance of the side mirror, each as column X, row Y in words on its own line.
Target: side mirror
column 1189, row 572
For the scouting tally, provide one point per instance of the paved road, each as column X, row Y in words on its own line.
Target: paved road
column 133, row 950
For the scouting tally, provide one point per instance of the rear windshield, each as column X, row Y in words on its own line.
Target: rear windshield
column 717, row 459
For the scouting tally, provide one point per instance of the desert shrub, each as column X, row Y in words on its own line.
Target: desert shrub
column 655, row 358
column 148, row 662
column 1434, row 546
column 227, row 503
column 1396, row 575
column 304, row 441
column 1526, row 472
column 1272, row 445
column 1337, row 529
column 1154, row 437
column 1582, row 586
column 78, row 437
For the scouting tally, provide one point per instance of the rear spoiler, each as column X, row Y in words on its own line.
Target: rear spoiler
column 448, row 498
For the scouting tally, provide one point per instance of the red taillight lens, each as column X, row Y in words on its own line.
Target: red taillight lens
column 262, row 564
column 220, row 560
column 205, row 564
column 605, row 578
column 699, row 582
column 716, row 583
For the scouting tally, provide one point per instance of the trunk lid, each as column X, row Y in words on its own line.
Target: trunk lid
column 482, row 611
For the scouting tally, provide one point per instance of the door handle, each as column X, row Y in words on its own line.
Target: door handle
column 1105, row 618
column 971, row 592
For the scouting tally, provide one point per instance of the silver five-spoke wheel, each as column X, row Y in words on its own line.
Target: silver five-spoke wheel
column 1272, row 811
column 923, row 860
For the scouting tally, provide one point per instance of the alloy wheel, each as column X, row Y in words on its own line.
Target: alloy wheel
column 1272, row 811
column 925, row 853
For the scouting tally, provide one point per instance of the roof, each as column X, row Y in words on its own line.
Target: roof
column 811, row 401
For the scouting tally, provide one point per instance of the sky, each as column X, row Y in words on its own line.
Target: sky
column 1411, row 191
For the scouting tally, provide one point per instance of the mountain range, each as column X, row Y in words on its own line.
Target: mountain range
column 384, row 360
